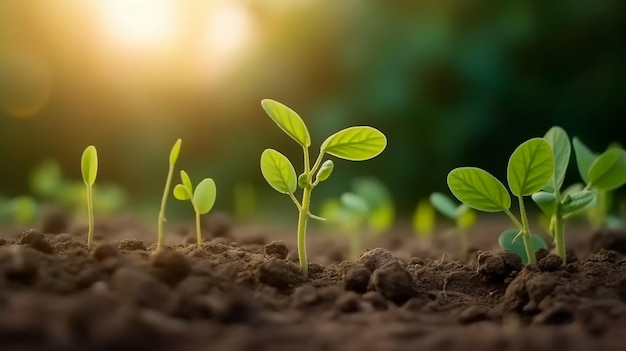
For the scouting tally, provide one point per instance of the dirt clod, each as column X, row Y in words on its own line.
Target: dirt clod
column 169, row 266
column 393, row 282
column 550, row 263
column 132, row 245
column 277, row 248
column 103, row 251
column 375, row 258
column 498, row 265
column 280, row 274
column 36, row 240
column 357, row 279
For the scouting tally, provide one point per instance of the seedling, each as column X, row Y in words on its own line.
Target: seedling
column 89, row 170
column 462, row 215
column 529, row 170
column 424, row 219
column 354, row 144
column 168, row 181
column 202, row 198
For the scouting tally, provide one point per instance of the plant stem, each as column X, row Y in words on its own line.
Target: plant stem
column 303, row 217
column 463, row 240
column 90, row 215
column 528, row 243
column 198, row 231
column 168, row 183
column 559, row 240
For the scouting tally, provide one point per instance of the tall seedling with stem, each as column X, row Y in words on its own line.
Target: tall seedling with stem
column 202, row 198
column 529, row 170
column 354, row 143
column 89, row 171
column 168, row 181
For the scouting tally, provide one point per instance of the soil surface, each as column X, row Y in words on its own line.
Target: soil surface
column 243, row 290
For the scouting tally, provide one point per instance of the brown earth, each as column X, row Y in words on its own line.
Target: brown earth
column 243, row 290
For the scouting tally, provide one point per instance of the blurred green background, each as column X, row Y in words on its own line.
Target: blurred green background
column 451, row 83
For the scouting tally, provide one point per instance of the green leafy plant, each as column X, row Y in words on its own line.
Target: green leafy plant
column 529, row 170
column 21, row 210
column 462, row 215
column 89, row 170
column 174, row 152
column 354, row 143
column 202, row 198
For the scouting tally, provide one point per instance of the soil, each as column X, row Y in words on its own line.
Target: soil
column 242, row 289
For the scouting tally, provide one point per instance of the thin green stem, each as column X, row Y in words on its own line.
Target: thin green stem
column 514, row 219
column 166, row 191
column 90, row 215
column 295, row 201
column 528, row 244
column 198, row 230
column 303, row 217
column 559, row 238
column 317, row 163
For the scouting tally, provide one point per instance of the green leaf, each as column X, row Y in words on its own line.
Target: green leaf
column 478, row 189
column 381, row 218
column 46, row 179
column 530, row 167
column 175, row 152
column 355, row 143
column 354, row 203
column 584, row 158
column 288, row 120
column 89, row 165
column 325, row 170
column 423, row 219
column 574, row 188
column 559, row 142
column 184, row 177
column 278, row 171
column 466, row 217
column 373, row 191
column 546, row 201
column 181, row 193
column 506, row 242
column 204, row 195
column 575, row 202
column 444, row 204
column 608, row 171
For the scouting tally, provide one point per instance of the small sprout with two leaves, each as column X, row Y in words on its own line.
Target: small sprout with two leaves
column 89, row 171
column 354, row 143
column 202, row 198
column 462, row 215
column 529, row 170
column 174, row 152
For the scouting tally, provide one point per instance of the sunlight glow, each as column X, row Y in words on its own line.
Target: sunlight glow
column 138, row 22
column 229, row 26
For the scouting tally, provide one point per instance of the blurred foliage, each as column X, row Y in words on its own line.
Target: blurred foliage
column 448, row 82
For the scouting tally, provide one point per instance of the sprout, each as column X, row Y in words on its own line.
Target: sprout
column 464, row 217
column 354, row 144
column 202, row 198
column 89, row 170
column 172, row 162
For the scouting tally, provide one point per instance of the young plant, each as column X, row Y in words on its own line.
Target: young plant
column 202, row 198
column 423, row 220
column 89, row 170
column 529, row 170
column 353, row 143
column 463, row 216
column 551, row 199
column 168, row 181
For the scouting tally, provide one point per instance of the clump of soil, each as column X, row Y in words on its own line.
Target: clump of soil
column 226, row 294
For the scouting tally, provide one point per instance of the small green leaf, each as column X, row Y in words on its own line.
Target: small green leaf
column 355, row 143
column 354, row 203
column 574, row 188
column 444, row 204
column 288, row 120
column 181, row 193
column 584, row 158
column 184, row 177
column 423, row 219
column 204, row 195
column 175, row 152
column 89, row 165
column 325, row 170
column 546, row 201
column 278, row 171
column 465, row 218
column 559, row 143
column 608, row 171
column 478, row 189
column 303, row 181
column 506, row 241
column 530, row 167
column 577, row 202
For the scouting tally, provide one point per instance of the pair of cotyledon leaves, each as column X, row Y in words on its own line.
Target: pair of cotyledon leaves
column 355, row 143
column 202, row 197
column 534, row 167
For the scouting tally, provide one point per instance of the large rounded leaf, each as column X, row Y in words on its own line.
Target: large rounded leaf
column 608, row 171
column 506, row 242
column 530, row 167
column 204, row 195
column 584, row 158
column 89, row 165
column 278, row 171
column 559, row 142
column 355, row 143
column 478, row 189
column 288, row 120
